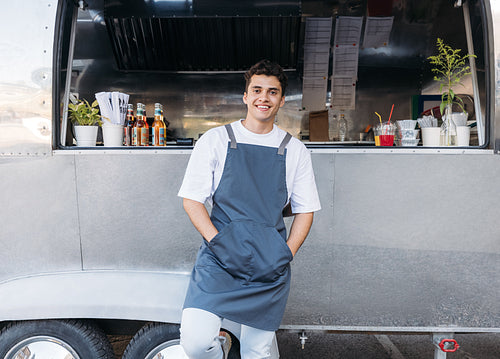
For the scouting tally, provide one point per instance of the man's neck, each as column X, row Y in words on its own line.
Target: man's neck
column 259, row 127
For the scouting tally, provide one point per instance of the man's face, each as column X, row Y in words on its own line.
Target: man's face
column 263, row 98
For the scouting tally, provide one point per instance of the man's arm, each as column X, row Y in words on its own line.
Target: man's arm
column 300, row 228
column 200, row 218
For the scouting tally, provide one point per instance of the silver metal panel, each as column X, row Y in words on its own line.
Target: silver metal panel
column 130, row 215
column 26, row 77
column 431, row 200
column 39, row 216
column 415, row 244
column 396, row 244
column 308, row 301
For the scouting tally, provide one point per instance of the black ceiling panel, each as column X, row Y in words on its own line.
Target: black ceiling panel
column 203, row 43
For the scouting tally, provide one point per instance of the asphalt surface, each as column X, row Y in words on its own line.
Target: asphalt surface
column 324, row 345
column 380, row 346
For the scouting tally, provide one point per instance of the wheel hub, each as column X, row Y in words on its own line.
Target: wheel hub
column 42, row 347
column 168, row 350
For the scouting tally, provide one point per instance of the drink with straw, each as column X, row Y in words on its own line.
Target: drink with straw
column 385, row 131
column 386, row 140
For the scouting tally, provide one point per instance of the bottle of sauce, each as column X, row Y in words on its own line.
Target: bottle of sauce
column 128, row 125
column 140, row 131
column 158, row 127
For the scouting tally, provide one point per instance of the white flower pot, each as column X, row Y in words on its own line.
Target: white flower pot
column 86, row 136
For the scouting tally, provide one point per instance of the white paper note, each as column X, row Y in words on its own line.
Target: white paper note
column 377, row 31
column 348, row 30
column 345, row 61
column 343, row 93
column 316, row 62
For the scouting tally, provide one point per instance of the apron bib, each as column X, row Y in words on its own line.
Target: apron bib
column 243, row 273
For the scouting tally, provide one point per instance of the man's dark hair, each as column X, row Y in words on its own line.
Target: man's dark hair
column 268, row 68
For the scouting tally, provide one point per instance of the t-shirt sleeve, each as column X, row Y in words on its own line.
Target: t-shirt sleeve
column 304, row 197
column 198, row 178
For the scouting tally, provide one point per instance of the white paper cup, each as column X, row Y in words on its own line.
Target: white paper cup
column 463, row 135
column 430, row 136
column 112, row 135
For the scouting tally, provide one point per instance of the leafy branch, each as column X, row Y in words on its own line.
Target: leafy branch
column 84, row 114
column 450, row 68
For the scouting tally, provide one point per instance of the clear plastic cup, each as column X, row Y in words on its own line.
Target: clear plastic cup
column 384, row 134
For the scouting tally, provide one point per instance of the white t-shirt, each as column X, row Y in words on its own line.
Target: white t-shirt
column 205, row 167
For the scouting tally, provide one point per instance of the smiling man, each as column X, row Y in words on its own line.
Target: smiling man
column 249, row 170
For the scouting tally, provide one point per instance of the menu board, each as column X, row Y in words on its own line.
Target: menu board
column 345, row 62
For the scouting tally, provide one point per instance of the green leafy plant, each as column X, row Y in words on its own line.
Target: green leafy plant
column 84, row 114
column 449, row 69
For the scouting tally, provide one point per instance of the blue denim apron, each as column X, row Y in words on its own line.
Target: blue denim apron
column 243, row 273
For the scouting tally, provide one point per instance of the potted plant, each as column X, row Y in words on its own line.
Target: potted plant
column 449, row 69
column 86, row 120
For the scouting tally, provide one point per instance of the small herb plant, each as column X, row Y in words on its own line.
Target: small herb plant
column 449, row 69
column 84, row 114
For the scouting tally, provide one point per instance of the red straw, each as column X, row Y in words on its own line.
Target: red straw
column 392, row 108
column 389, row 122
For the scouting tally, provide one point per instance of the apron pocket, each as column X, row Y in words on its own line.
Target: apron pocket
column 251, row 251
column 271, row 254
column 231, row 249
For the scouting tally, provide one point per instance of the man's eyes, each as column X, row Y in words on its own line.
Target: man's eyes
column 272, row 92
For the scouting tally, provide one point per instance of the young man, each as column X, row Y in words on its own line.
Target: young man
column 249, row 170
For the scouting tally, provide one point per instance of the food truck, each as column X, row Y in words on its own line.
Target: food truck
column 94, row 239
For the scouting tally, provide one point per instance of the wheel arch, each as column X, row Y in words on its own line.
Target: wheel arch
column 129, row 295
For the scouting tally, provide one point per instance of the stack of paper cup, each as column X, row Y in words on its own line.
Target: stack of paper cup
column 463, row 135
column 430, row 136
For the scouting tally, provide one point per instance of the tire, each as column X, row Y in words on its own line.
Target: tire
column 161, row 340
column 68, row 338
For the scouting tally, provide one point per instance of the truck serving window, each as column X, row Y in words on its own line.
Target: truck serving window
column 359, row 76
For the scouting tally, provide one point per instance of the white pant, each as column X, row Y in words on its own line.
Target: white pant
column 200, row 333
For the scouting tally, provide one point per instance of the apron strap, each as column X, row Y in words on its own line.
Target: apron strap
column 230, row 133
column 281, row 149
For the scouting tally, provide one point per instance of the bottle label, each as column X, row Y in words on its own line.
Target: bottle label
column 144, row 137
column 160, row 141
column 126, row 136
column 134, row 136
column 162, row 136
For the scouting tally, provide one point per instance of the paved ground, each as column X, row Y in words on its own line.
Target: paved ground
column 370, row 346
column 366, row 346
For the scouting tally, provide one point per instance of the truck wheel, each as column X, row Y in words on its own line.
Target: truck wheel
column 57, row 338
column 155, row 340
column 161, row 340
